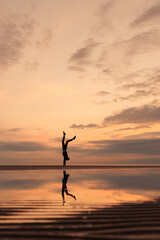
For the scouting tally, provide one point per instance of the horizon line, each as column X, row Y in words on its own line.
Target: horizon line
column 87, row 166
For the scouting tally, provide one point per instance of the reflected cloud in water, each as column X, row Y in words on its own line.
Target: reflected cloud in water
column 91, row 186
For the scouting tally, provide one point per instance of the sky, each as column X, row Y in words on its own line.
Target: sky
column 90, row 68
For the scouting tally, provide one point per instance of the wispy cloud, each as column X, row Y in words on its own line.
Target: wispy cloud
column 102, row 93
column 132, row 128
column 103, row 148
column 11, row 130
column 101, row 102
column 140, row 94
column 104, row 23
column 103, row 10
column 148, row 135
column 140, row 43
column 56, row 139
column 134, row 85
column 82, row 126
column 148, row 16
column 134, row 146
column 18, row 32
column 18, row 129
column 82, row 56
column 46, row 39
column 145, row 84
column 15, row 33
column 23, row 146
column 15, row 129
column 32, row 65
column 144, row 114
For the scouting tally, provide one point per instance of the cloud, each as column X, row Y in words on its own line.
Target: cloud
column 101, row 102
column 105, row 8
column 107, row 71
column 15, row 129
column 132, row 128
column 135, row 85
column 145, row 84
column 46, row 39
column 144, row 135
column 144, row 114
column 82, row 126
column 56, row 139
column 15, row 33
column 32, row 65
column 11, row 130
column 77, row 68
column 102, row 93
column 141, row 43
column 140, row 94
column 149, row 76
column 129, row 146
column 22, row 146
column 151, row 14
column 104, row 23
column 82, row 56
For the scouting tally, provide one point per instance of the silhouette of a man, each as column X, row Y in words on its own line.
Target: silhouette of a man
column 64, row 148
column 64, row 186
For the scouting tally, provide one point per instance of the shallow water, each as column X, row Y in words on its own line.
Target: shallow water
column 36, row 195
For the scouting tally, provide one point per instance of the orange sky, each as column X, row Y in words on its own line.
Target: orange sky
column 90, row 68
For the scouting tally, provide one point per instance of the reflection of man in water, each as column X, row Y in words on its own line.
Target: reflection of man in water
column 64, row 186
column 64, row 148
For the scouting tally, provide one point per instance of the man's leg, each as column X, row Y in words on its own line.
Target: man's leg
column 69, row 140
column 63, row 138
column 69, row 194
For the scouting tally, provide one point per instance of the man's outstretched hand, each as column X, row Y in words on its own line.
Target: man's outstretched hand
column 74, row 137
column 64, row 133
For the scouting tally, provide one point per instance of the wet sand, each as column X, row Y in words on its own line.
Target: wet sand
column 45, row 220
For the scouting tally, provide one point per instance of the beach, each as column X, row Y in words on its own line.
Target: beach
column 109, row 203
column 128, row 221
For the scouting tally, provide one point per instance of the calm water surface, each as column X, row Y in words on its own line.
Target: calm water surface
column 37, row 195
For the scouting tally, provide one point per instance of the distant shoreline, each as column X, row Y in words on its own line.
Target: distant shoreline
column 78, row 167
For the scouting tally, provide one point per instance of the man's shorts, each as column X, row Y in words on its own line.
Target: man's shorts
column 65, row 155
